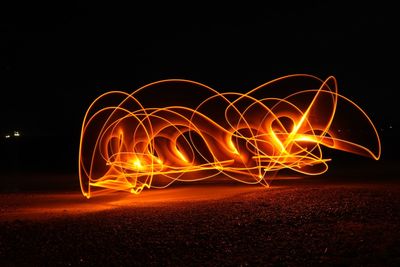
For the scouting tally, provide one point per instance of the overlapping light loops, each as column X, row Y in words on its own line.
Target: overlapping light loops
column 159, row 134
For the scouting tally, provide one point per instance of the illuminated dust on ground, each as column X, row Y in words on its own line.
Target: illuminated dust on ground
column 301, row 223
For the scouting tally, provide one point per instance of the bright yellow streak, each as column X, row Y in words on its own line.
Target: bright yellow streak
column 232, row 147
column 181, row 156
column 305, row 138
column 246, row 137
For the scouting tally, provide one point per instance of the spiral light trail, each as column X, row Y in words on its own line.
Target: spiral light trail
column 182, row 130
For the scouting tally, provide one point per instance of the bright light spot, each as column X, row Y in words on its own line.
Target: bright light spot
column 137, row 164
column 16, row 133
column 219, row 168
column 7, row 136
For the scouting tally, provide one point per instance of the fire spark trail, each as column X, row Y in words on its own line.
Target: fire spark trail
column 182, row 130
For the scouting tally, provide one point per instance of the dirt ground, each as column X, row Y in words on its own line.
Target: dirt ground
column 347, row 217
column 290, row 224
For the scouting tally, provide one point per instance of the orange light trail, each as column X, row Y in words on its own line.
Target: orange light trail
column 146, row 140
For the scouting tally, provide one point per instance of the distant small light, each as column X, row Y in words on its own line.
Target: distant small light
column 16, row 134
column 7, row 136
column 390, row 126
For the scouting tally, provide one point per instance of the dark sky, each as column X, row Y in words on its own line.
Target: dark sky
column 55, row 58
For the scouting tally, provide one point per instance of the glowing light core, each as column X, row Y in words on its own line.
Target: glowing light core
column 131, row 142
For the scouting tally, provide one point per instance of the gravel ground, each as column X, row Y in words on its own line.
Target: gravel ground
column 293, row 225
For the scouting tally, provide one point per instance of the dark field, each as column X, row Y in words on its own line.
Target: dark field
column 345, row 221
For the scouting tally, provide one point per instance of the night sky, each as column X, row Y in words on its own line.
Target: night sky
column 56, row 58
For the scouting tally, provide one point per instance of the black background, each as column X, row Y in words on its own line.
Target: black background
column 55, row 58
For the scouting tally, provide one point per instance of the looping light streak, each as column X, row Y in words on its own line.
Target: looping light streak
column 145, row 139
